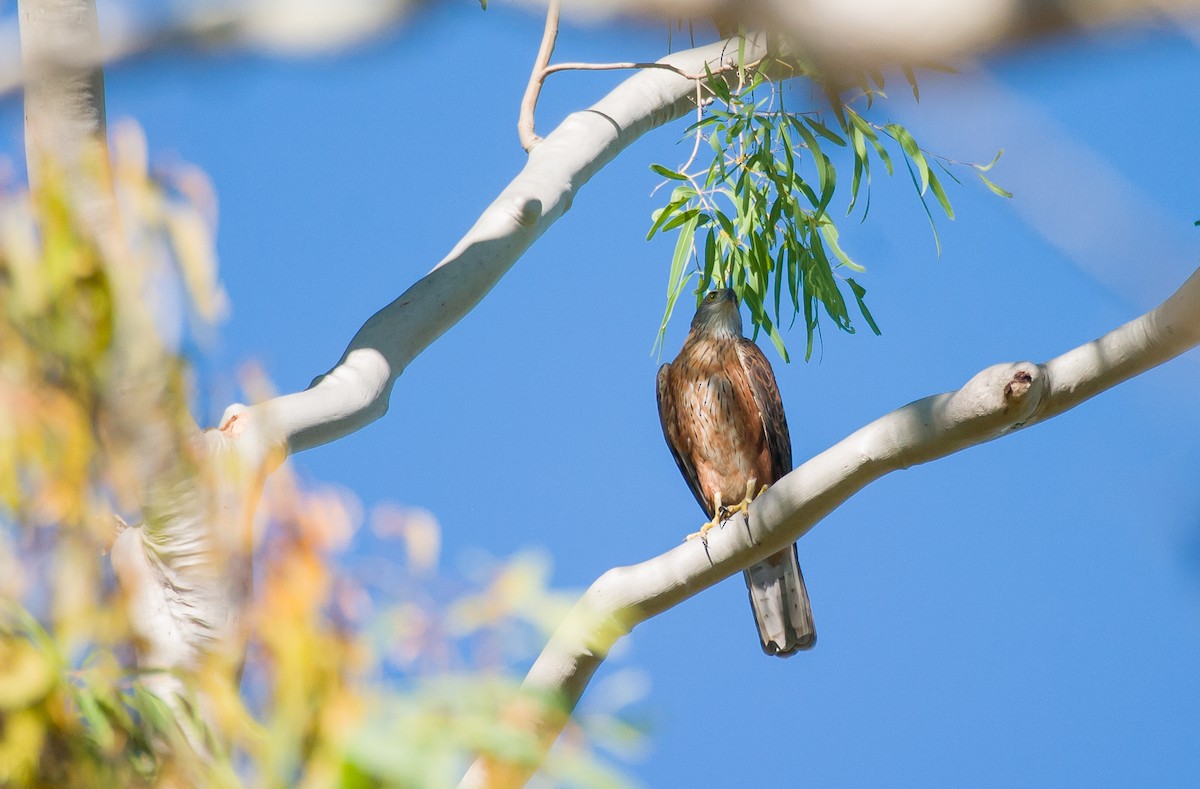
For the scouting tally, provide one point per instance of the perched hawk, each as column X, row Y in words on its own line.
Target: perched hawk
column 724, row 422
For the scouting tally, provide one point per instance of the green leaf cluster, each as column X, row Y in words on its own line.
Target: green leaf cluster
column 755, row 214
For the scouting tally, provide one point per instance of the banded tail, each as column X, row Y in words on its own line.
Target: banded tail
column 780, row 602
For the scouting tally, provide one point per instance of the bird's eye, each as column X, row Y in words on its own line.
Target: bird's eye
column 712, row 296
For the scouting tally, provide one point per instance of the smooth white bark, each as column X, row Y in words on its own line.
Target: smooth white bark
column 186, row 569
column 868, row 33
column 357, row 390
column 997, row 401
column 839, row 33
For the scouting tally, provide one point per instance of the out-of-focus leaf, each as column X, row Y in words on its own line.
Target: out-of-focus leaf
column 102, row 730
column 991, row 164
column 825, row 131
column 26, row 674
column 911, row 76
column 995, row 188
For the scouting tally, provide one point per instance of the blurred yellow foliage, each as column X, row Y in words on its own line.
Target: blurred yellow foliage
column 360, row 671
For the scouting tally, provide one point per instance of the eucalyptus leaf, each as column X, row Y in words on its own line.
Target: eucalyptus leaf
column 911, row 76
column 940, row 194
column 995, row 188
column 759, row 223
column 668, row 173
column 825, row 132
column 859, row 292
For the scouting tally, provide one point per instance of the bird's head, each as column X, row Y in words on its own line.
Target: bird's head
column 718, row 314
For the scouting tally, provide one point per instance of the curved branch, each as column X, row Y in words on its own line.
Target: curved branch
column 357, row 390
column 846, row 37
column 836, row 34
column 525, row 120
column 996, row 402
column 197, row 529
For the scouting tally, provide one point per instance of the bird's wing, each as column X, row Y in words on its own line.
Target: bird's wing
column 668, row 414
column 765, row 392
column 777, row 593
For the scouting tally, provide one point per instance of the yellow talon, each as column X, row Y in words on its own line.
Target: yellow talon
column 703, row 533
column 744, row 504
column 716, row 521
column 724, row 513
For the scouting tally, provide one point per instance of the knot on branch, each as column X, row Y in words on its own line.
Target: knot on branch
column 526, row 212
column 1006, row 395
column 1018, row 387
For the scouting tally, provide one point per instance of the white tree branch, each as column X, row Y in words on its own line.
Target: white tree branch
column 854, row 34
column 837, row 33
column 357, row 390
column 186, row 568
column 996, row 402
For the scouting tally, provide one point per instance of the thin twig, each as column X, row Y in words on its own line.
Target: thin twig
column 542, row 69
column 699, row 128
column 525, row 128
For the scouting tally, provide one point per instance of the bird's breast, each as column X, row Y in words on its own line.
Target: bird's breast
column 726, row 441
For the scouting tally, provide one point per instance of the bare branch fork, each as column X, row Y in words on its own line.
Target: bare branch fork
column 357, row 390
column 996, row 402
column 543, row 69
column 183, row 552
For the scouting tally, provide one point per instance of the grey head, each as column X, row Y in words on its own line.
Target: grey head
column 718, row 314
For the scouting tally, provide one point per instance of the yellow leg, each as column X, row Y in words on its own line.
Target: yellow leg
column 744, row 504
column 716, row 521
column 724, row 513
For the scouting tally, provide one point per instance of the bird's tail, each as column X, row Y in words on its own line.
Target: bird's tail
column 781, row 607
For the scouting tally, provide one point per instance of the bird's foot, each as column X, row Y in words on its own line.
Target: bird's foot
column 705, row 529
column 724, row 513
column 744, row 505
column 717, row 520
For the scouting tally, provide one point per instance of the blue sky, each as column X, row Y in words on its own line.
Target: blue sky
column 1026, row 613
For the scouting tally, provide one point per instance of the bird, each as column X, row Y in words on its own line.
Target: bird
column 724, row 423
